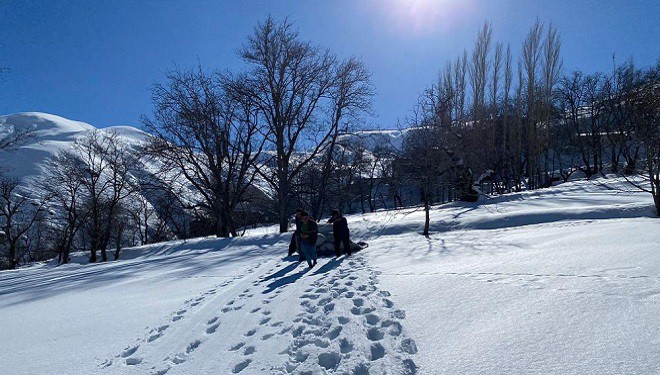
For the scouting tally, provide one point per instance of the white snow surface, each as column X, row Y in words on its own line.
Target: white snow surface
column 558, row 281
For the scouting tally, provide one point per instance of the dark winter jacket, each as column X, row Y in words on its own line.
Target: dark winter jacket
column 339, row 226
column 312, row 231
column 298, row 223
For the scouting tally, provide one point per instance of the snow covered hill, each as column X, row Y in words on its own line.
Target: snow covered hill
column 49, row 134
column 559, row 281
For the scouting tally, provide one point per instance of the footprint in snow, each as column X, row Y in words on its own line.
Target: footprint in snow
column 329, row 360
column 361, row 369
column 212, row 327
column 192, row 346
column 334, row 333
column 129, row 351
column 154, row 337
column 133, row 361
column 408, row 345
column 409, row 366
column 241, row 366
column 345, row 346
column 375, row 334
column 162, row 372
column 329, row 307
column 372, row 319
column 237, row 346
column 249, row 350
column 377, row 351
column 179, row 359
column 394, row 328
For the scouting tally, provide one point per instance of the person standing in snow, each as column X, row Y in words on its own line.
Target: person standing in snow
column 340, row 232
column 309, row 232
column 295, row 238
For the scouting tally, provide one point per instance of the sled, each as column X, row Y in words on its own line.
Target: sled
column 325, row 244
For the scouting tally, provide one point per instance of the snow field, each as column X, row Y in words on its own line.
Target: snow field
column 560, row 281
column 276, row 323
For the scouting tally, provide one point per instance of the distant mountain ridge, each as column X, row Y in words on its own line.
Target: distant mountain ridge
column 48, row 135
column 52, row 133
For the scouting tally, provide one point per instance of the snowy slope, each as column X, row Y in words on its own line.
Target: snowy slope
column 50, row 134
column 560, row 281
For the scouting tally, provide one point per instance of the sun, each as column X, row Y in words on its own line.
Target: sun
column 421, row 17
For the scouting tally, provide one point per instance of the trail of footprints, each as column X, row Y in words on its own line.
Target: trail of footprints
column 130, row 355
column 321, row 335
column 322, row 330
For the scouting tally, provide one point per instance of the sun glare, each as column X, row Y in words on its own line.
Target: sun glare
column 421, row 17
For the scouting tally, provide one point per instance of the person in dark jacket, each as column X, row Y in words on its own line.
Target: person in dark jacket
column 295, row 238
column 309, row 232
column 340, row 232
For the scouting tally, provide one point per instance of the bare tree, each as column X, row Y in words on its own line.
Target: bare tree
column 646, row 127
column 350, row 97
column 107, row 180
column 532, row 48
column 479, row 69
column 206, row 131
column 429, row 150
column 18, row 213
column 297, row 88
column 63, row 183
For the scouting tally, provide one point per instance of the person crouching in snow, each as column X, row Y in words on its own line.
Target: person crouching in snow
column 309, row 232
column 340, row 232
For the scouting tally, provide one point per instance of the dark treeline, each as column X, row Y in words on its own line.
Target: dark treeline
column 231, row 149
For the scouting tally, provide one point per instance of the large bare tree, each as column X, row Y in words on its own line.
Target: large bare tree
column 63, row 182
column 107, row 176
column 302, row 93
column 206, row 132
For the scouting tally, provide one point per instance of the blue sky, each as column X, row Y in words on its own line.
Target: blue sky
column 96, row 60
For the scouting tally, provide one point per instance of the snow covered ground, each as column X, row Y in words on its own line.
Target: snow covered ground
column 559, row 281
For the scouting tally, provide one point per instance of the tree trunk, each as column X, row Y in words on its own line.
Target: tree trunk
column 282, row 206
column 13, row 262
column 656, row 199
column 427, row 222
